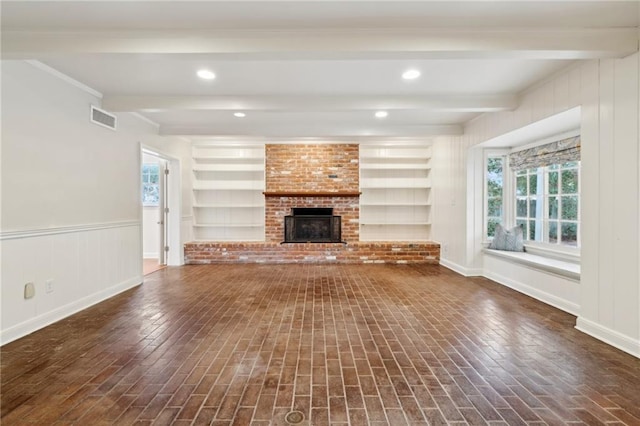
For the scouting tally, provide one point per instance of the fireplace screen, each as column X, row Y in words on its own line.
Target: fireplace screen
column 312, row 225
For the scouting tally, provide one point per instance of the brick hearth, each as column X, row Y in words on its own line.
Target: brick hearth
column 361, row 252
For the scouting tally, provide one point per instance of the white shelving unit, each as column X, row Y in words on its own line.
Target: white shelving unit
column 395, row 181
column 228, row 185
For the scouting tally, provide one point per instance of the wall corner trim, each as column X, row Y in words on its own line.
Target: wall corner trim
column 467, row 272
column 609, row 336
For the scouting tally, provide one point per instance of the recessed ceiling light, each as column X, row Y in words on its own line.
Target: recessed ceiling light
column 206, row 75
column 239, row 114
column 411, row 74
column 381, row 114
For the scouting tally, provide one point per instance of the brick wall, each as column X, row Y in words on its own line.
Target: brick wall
column 312, row 168
column 319, row 168
column 276, row 208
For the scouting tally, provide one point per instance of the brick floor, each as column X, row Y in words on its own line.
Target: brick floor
column 343, row 344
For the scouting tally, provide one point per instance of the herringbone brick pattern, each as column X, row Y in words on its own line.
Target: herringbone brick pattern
column 343, row 344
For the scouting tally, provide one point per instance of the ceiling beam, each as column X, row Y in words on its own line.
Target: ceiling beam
column 305, row 130
column 440, row 103
column 334, row 44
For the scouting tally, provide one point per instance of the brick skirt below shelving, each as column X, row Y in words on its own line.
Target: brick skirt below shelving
column 267, row 252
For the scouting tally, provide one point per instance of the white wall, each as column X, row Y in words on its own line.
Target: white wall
column 608, row 91
column 71, row 205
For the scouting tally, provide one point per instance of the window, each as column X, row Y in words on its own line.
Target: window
column 547, row 203
column 150, row 184
column 494, row 192
column 544, row 199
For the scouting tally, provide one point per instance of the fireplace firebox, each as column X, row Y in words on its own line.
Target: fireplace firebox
column 312, row 225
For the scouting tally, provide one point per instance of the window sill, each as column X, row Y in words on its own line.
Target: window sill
column 564, row 268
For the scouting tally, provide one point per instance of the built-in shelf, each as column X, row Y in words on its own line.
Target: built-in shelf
column 228, row 181
column 400, row 204
column 228, row 206
column 216, row 167
column 228, row 225
column 396, row 192
column 395, row 224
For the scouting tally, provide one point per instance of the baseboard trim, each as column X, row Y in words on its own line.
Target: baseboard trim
column 41, row 321
column 543, row 296
column 467, row 272
column 611, row 337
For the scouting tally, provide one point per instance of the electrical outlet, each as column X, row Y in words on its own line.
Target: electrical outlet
column 29, row 290
column 48, row 286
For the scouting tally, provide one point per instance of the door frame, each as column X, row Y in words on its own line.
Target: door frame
column 173, row 238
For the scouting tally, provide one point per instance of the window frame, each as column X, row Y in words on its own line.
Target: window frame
column 492, row 153
column 509, row 208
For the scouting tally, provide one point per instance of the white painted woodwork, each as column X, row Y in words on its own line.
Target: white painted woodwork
column 86, row 266
column 396, row 187
column 609, row 292
column 437, row 103
column 322, row 44
column 228, row 185
column 71, row 209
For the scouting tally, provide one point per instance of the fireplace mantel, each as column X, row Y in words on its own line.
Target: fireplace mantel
column 310, row 194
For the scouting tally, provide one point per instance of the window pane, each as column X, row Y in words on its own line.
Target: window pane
column 154, row 177
column 532, row 230
column 570, row 207
column 150, row 194
column 553, row 182
column 491, row 227
column 521, row 210
column 533, row 184
column 570, row 181
column 523, row 224
column 532, row 208
column 521, row 185
column 554, row 166
column 495, row 207
column 569, row 234
column 553, row 207
column 553, row 232
column 570, row 164
column 494, row 188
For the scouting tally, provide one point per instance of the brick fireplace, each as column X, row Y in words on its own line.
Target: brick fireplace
column 312, row 176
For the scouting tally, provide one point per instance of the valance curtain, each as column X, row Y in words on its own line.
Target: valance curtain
column 562, row 151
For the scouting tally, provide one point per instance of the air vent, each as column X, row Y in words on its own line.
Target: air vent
column 103, row 118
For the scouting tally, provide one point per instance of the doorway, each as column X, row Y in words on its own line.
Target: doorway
column 161, row 212
column 154, row 211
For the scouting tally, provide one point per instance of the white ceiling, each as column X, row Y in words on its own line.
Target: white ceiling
column 314, row 69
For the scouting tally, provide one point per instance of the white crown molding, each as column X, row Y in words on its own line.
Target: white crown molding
column 143, row 118
column 64, row 77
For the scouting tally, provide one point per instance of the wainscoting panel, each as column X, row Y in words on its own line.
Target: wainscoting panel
column 85, row 265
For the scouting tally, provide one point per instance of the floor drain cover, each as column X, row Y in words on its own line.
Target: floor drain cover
column 294, row 417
